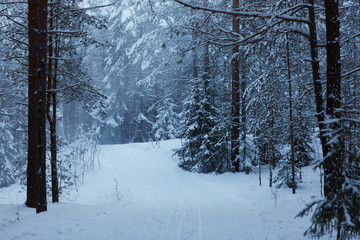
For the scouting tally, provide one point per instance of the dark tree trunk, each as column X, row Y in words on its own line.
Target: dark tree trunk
column 36, row 171
column 259, row 171
column 319, row 101
column 195, row 71
column 53, row 130
column 333, row 97
column 235, row 109
column 243, row 110
column 333, row 161
column 269, row 155
column 51, row 102
column 53, row 150
column 194, row 55
column 291, row 117
column 206, row 76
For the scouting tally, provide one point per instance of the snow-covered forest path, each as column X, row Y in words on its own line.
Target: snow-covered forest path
column 139, row 193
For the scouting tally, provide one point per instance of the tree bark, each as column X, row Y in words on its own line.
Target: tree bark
column 291, row 117
column 319, row 101
column 206, row 76
column 269, row 160
column 54, row 175
column 36, row 171
column 333, row 161
column 259, row 171
column 333, row 94
column 194, row 55
column 51, row 103
column 235, row 109
column 243, row 110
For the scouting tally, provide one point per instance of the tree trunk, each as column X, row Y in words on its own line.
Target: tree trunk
column 291, row 117
column 54, row 175
column 333, row 97
column 333, row 161
column 194, row 55
column 259, row 171
column 319, row 101
column 36, row 171
column 235, row 109
column 243, row 110
column 51, row 103
column 269, row 159
column 206, row 76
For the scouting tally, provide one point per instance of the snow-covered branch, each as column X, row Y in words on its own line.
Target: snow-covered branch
column 63, row 88
column 288, row 18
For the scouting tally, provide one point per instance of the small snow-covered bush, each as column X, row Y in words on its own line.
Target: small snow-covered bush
column 7, row 154
column 76, row 158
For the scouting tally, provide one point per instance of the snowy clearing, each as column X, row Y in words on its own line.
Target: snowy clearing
column 140, row 193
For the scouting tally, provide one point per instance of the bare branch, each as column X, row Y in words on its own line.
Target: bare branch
column 352, row 37
column 21, row 103
column 13, row 20
column 350, row 72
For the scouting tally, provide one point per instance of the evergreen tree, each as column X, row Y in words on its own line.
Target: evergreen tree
column 205, row 147
column 8, row 152
column 340, row 209
column 167, row 121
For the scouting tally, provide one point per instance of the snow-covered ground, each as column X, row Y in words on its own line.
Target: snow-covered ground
column 139, row 193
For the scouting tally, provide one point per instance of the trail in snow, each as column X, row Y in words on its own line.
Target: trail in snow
column 155, row 199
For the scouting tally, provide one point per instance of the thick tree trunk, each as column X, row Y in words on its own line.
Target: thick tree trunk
column 333, row 161
column 235, row 109
column 333, row 96
column 36, row 172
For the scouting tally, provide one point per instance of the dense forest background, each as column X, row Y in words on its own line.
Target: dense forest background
column 243, row 83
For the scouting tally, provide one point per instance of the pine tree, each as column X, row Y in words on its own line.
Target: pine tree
column 340, row 209
column 36, row 171
column 204, row 148
column 167, row 121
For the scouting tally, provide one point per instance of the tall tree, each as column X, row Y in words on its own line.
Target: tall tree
column 36, row 171
column 235, row 89
column 340, row 209
column 52, row 103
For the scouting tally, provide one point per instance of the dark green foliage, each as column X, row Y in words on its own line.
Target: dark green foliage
column 303, row 154
column 340, row 209
column 303, row 132
column 205, row 147
column 167, row 121
column 284, row 176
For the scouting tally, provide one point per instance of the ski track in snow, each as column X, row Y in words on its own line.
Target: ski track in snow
column 156, row 200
